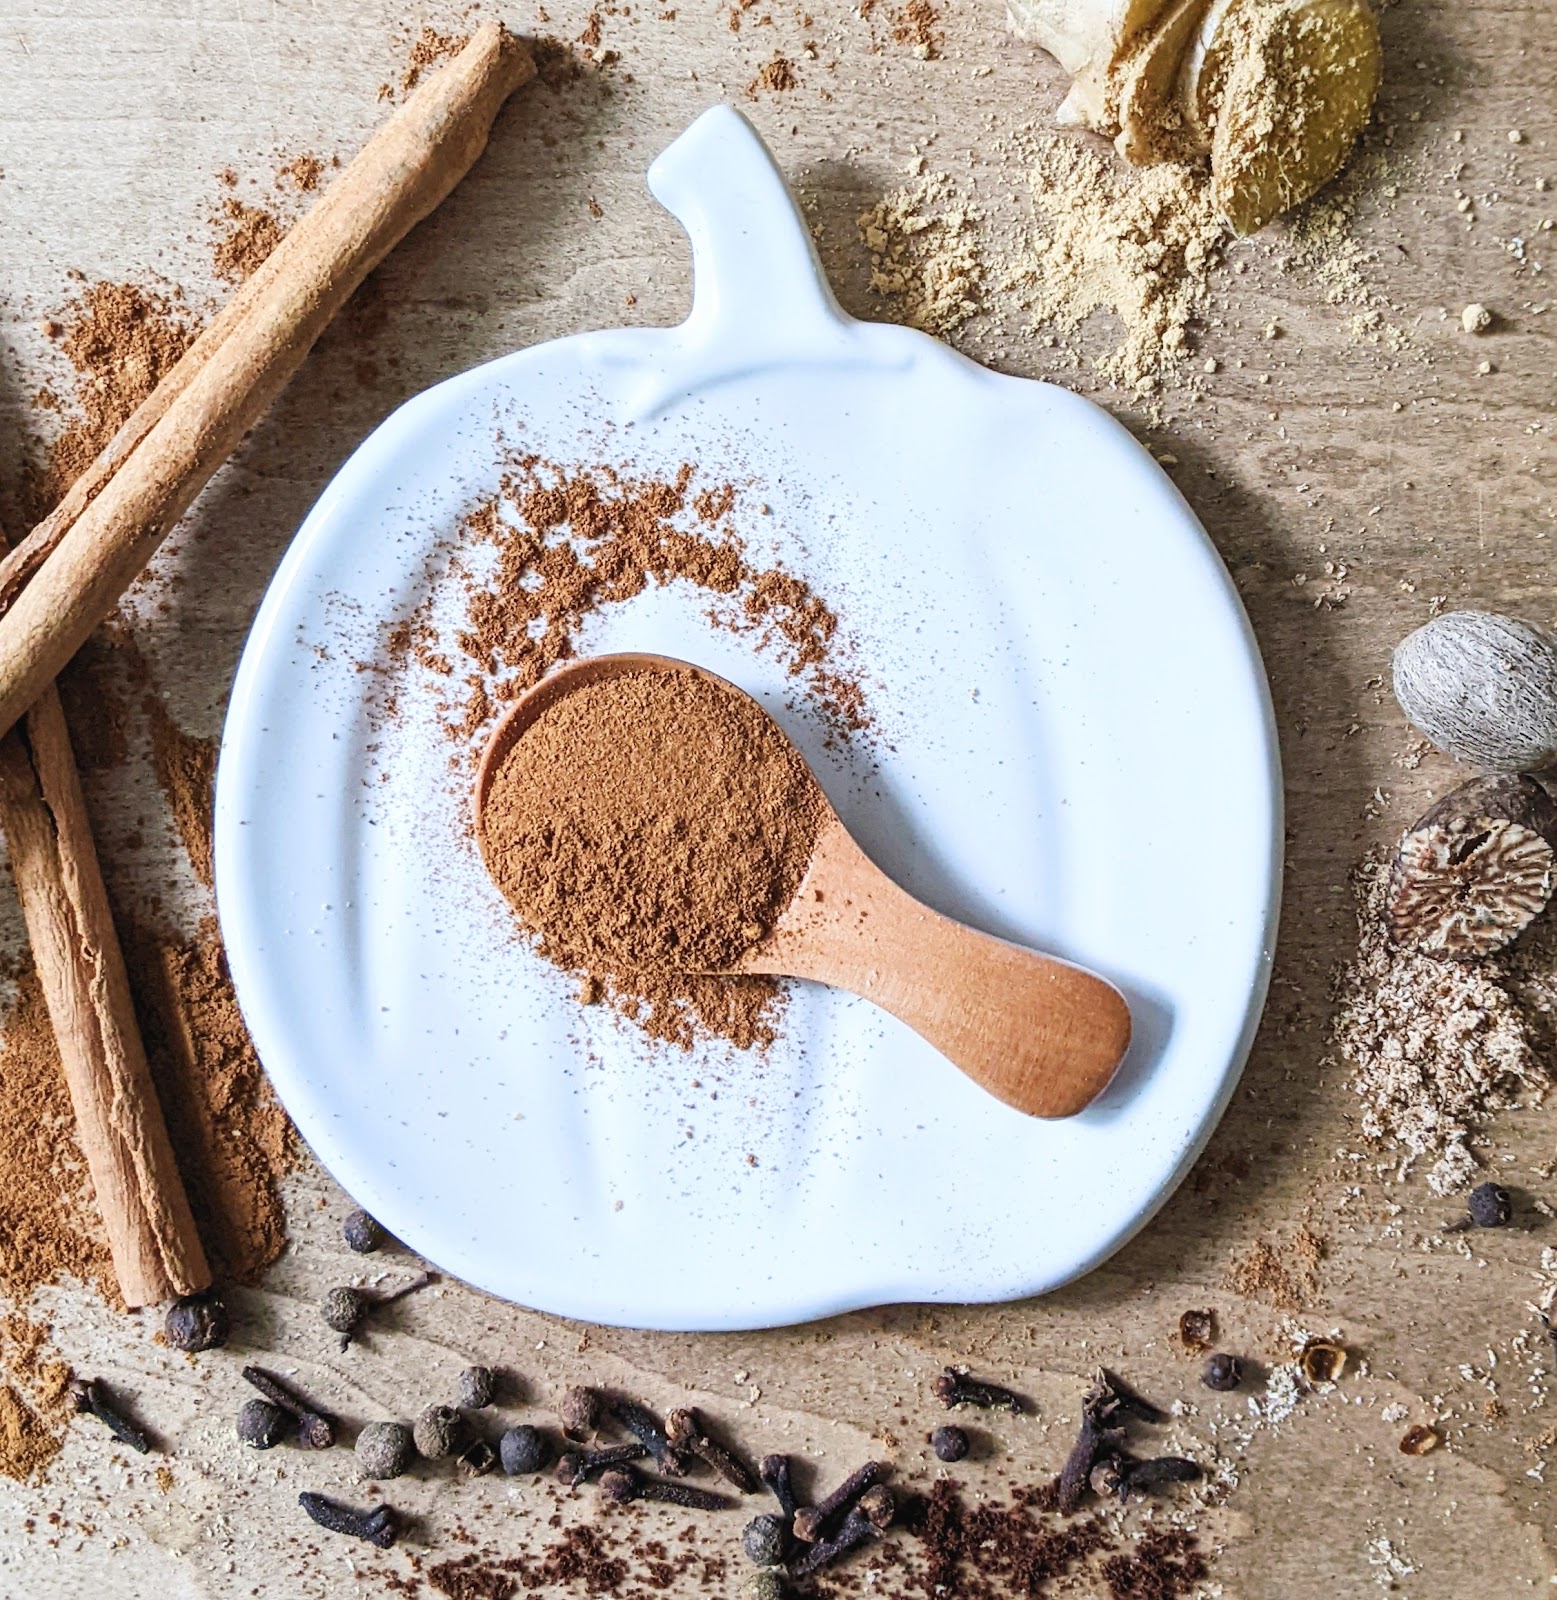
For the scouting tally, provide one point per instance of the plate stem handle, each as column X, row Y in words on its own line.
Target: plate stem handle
column 756, row 276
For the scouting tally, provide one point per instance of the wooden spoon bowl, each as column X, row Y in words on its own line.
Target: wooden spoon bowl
column 1038, row 1033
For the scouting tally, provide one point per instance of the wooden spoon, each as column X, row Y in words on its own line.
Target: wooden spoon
column 1036, row 1032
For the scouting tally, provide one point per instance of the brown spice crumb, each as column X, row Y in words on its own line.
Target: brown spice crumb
column 303, row 173
column 1261, row 1272
column 252, row 233
column 917, row 25
column 774, row 77
column 429, row 48
column 186, row 770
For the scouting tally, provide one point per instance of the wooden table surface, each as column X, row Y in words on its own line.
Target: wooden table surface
column 1421, row 475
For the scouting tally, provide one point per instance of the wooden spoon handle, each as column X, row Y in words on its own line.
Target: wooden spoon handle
column 1041, row 1035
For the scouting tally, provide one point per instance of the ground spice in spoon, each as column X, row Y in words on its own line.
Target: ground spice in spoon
column 648, row 825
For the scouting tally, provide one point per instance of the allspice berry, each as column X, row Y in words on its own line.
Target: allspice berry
column 438, row 1432
column 476, row 1387
column 262, row 1425
column 767, row 1584
column 196, row 1322
column 523, row 1449
column 1490, row 1206
column 949, row 1444
column 385, row 1450
column 343, row 1309
column 764, row 1539
column 579, row 1412
column 1222, row 1372
column 363, row 1233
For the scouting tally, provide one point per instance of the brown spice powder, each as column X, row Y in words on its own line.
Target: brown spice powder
column 429, row 49
column 647, row 825
column 251, row 234
column 775, row 77
column 232, row 1138
column 121, row 340
column 303, row 172
column 582, row 540
column 186, row 770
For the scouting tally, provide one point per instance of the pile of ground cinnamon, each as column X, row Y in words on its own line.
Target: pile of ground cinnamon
column 649, row 825
column 568, row 543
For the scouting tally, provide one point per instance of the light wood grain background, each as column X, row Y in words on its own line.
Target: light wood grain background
column 1423, row 476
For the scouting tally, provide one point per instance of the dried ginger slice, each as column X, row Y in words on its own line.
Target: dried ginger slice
column 1089, row 41
column 1301, row 77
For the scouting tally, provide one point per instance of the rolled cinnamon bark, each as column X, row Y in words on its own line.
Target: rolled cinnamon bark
column 226, row 380
column 140, row 1195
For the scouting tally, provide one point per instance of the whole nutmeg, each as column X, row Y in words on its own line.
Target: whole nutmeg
column 579, row 1412
column 438, row 1432
column 363, row 1233
column 385, row 1450
column 523, row 1449
column 764, row 1540
column 476, row 1387
column 196, row 1322
column 261, row 1424
column 1483, row 688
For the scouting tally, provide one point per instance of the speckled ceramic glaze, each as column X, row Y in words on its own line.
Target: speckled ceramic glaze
column 1073, row 749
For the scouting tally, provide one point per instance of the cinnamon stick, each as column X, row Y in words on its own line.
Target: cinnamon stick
column 83, row 560
column 151, row 1231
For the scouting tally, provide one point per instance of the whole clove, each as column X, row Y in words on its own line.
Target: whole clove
column 774, row 1472
column 622, row 1484
column 1105, row 1407
column 379, row 1526
column 866, row 1520
column 262, row 1425
column 647, row 1429
column 576, row 1465
column 1107, row 1477
column 91, row 1396
column 685, row 1431
column 1148, row 1477
column 955, row 1388
column 344, row 1308
column 523, row 1449
column 196, row 1322
column 811, row 1523
column 315, row 1428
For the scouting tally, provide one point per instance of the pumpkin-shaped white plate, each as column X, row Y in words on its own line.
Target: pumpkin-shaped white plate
column 1074, row 749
